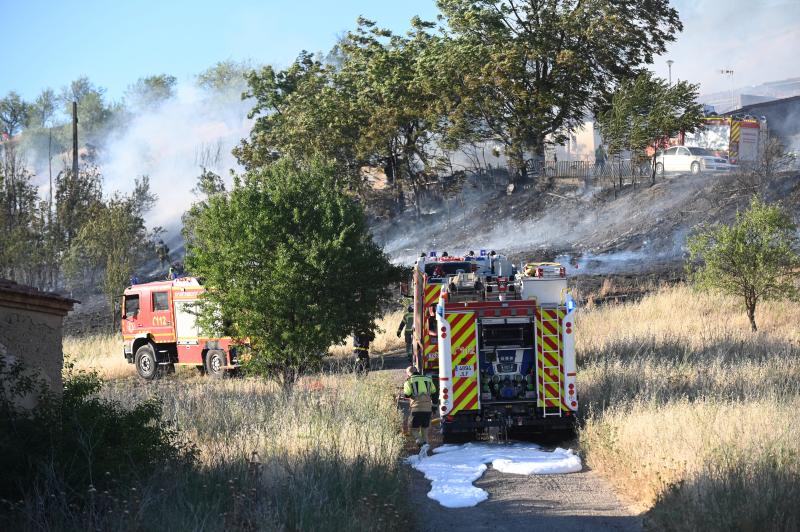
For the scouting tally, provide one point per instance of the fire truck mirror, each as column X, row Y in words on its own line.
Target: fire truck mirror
column 404, row 291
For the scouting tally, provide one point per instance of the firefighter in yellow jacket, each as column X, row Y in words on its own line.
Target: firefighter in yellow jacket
column 408, row 324
column 419, row 389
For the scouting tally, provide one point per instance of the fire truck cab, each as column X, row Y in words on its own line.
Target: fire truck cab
column 159, row 330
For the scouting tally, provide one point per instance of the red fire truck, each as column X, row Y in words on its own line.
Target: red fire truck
column 430, row 273
column 159, row 330
column 506, row 350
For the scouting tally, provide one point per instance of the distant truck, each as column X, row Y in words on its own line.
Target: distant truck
column 504, row 346
column 736, row 139
column 160, row 330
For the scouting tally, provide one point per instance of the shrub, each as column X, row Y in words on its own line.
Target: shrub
column 77, row 440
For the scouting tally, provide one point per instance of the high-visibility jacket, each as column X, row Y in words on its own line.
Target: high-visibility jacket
column 407, row 323
column 419, row 388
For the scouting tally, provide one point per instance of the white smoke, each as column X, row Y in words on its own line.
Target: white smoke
column 170, row 143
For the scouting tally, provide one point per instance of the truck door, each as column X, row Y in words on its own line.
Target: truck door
column 162, row 326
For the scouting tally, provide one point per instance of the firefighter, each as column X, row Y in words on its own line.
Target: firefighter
column 162, row 250
column 419, row 389
column 408, row 324
column 361, row 342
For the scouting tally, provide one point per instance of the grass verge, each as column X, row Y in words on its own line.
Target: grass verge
column 690, row 414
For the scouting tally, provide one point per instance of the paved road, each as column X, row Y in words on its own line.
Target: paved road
column 572, row 502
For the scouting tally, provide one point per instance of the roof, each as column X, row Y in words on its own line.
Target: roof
column 29, row 298
column 754, row 106
column 180, row 282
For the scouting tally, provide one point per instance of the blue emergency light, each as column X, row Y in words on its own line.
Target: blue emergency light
column 483, row 253
column 432, row 254
column 571, row 304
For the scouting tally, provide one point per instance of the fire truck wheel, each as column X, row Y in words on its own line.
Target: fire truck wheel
column 146, row 364
column 215, row 364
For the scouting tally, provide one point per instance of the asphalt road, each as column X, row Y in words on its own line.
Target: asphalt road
column 581, row 501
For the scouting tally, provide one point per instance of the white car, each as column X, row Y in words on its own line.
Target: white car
column 686, row 159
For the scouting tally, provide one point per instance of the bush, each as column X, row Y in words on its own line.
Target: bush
column 77, row 441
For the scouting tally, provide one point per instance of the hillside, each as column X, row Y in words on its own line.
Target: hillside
column 643, row 229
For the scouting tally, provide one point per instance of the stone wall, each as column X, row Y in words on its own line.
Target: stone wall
column 35, row 338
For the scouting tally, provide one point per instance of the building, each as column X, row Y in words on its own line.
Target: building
column 580, row 145
column 782, row 116
column 30, row 329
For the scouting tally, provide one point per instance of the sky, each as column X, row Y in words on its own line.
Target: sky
column 116, row 42
column 49, row 43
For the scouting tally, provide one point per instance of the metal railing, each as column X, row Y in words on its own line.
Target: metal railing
column 588, row 171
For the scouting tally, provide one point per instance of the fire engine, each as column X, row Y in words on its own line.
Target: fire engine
column 505, row 350
column 159, row 330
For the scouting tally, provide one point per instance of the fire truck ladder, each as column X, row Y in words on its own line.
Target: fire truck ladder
column 551, row 347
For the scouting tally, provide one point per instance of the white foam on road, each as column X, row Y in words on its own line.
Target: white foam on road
column 453, row 468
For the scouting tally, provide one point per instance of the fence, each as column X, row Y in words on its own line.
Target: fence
column 589, row 171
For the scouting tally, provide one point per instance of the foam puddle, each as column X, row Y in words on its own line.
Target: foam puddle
column 453, row 468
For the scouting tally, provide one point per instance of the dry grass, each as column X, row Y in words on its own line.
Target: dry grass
column 690, row 413
column 101, row 353
column 385, row 340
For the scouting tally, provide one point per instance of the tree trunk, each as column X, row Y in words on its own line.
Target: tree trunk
column 751, row 315
column 653, row 169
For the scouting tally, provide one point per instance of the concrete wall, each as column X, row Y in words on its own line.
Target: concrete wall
column 35, row 338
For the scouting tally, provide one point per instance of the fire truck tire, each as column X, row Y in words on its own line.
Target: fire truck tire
column 146, row 363
column 215, row 364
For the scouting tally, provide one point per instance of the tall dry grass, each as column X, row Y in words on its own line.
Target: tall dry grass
column 690, row 413
column 101, row 353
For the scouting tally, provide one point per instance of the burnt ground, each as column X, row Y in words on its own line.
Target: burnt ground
column 573, row 502
column 638, row 230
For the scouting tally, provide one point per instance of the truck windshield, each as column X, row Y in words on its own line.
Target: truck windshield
column 448, row 268
column 131, row 305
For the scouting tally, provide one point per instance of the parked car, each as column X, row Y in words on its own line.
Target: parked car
column 690, row 159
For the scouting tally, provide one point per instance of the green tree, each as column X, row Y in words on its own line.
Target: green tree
column 14, row 114
column 647, row 110
column 302, row 114
column 289, row 260
column 44, row 109
column 524, row 70
column 755, row 258
column 115, row 240
column 151, row 91
column 225, row 76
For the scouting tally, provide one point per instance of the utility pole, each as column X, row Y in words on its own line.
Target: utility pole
column 74, row 139
column 728, row 72
column 669, row 66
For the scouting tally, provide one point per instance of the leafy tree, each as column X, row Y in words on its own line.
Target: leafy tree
column 527, row 69
column 77, row 199
column 400, row 115
column 755, row 258
column 14, row 113
column 302, row 115
column 150, row 91
column 224, row 76
column 93, row 112
column 115, row 240
column 647, row 110
column 289, row 260
column 43, row 109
